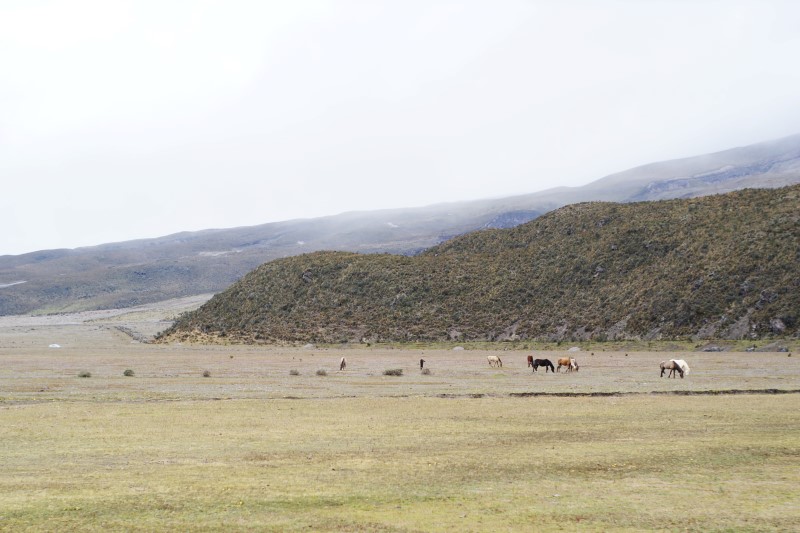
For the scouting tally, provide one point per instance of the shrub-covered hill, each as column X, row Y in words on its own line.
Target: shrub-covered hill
column 724, row 266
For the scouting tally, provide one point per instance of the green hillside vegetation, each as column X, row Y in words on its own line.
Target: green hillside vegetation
column 725, row 266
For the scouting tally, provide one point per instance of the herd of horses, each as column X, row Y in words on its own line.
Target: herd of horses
column 567, row 362
column 674, row 366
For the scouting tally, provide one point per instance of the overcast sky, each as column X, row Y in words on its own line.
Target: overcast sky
column 131, row 119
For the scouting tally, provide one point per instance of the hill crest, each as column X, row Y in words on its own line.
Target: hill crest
column 723, row 266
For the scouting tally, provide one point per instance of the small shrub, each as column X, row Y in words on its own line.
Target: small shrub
column 84, row 374
column 206, row 374
column 294, row 372
column 322, row 372
column 128, row 373
column 426, row 371
column 393, row 372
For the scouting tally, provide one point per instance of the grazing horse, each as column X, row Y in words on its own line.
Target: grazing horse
column 545, row 363
column 682, row 365
column 530, row 360
column 342, row 363
column 568, row 362
column 672, row 366
column 494, row 361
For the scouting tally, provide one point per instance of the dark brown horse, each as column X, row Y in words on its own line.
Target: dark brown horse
column 545, row 363
column 530, row 360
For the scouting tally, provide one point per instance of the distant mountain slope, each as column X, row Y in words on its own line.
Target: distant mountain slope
column 724, row 266
column 149, row 270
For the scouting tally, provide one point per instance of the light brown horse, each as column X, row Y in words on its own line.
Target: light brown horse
column 494, row 361
column 568, row 362
column 342, row 364
column 672, row 366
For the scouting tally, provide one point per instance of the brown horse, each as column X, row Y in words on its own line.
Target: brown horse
column 545, row 363
column 672, row 366
column 530, row 360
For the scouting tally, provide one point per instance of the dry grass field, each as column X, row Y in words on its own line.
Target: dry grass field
column 465, row 448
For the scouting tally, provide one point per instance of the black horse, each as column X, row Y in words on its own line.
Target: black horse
column 545, row 363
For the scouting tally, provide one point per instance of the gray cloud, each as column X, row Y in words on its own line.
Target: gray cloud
column 126, row 119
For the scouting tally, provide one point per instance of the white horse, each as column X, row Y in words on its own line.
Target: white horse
column 682, row 364
column 342, row 364
column 674, row 365
column 494, row 361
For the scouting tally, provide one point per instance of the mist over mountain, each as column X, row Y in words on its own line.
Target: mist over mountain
column 149, row 270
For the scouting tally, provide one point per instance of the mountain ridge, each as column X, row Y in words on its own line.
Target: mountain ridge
column 141, row 271
column 723, row 266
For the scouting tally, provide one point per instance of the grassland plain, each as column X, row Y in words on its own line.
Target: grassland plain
column 254, row 447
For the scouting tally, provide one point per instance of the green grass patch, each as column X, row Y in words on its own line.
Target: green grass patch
column 638, row 463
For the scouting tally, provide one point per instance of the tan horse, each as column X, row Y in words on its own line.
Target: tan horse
column 673, row 367
column 494, row 361
column 568, row 362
